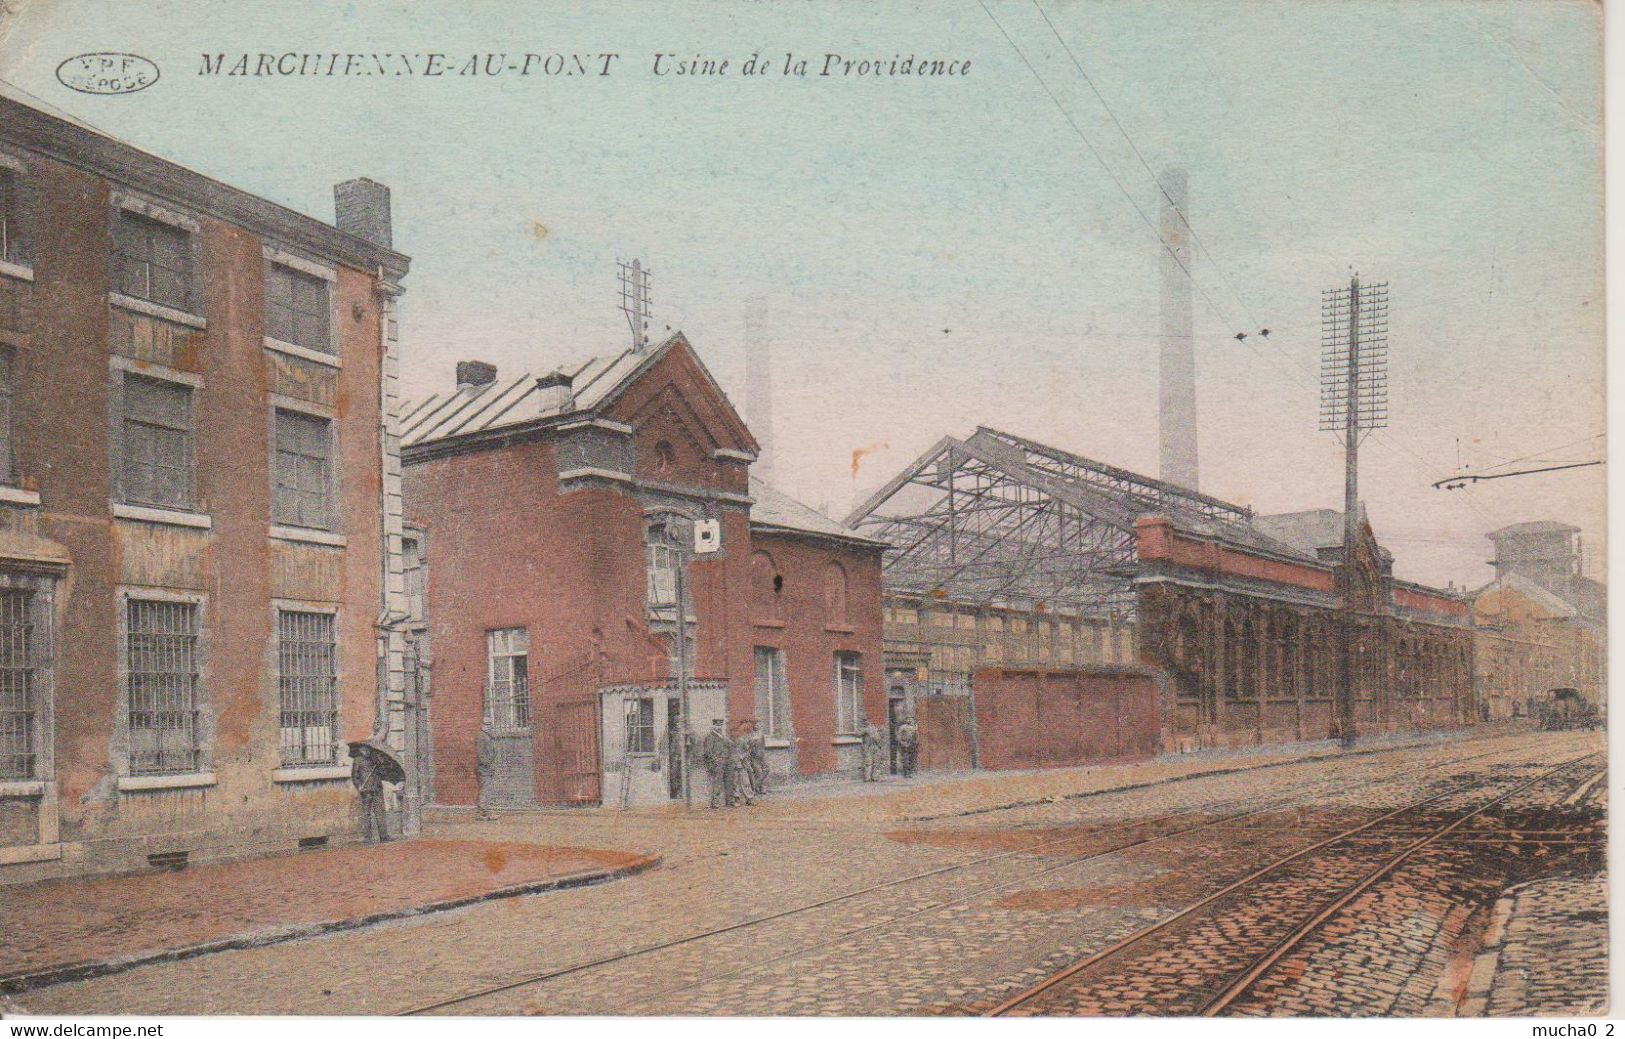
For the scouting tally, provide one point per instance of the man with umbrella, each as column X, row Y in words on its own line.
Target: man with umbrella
column 372, row 764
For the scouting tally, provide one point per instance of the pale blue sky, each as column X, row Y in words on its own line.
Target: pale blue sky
column 1452, row 148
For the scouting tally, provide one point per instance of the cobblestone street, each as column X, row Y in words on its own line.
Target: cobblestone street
column 1461, row 877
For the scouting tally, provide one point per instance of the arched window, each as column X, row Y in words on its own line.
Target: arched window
column 765, row 587
column 835, row 594
column 665, row 458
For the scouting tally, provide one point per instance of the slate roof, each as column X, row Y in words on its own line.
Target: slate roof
column 775, row 510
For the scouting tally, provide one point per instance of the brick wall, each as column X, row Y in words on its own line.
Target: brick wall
column 1030, row 718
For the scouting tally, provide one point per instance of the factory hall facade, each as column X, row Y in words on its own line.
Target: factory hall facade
column 585, row 520
column 199, row 507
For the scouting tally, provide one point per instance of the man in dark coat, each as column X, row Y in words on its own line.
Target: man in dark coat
column 366, row 775
column 716, row 752
column 485, row 769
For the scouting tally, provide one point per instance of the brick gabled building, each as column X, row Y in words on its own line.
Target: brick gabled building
column 552, row 598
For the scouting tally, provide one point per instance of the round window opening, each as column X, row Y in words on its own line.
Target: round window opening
column 665, row 458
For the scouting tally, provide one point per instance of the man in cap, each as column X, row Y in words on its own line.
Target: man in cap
column 368, row 779
column 908, row 744
column 872, row 747
column 716, row 752
column 739, row 762
column 485, row 769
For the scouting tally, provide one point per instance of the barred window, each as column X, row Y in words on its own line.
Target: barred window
column 297, row 308
column 153, row 260
column 19, row 753
column 307, row 676
column 640, row 725
column 772, row 693
column 12, row 247
column 848, row 693
column 161, row 669
column 303, row 470
column 507, row 688
column 8, row 362
column 157, row 443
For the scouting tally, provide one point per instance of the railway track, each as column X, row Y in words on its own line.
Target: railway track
column 1116, row 839
column 1202, row 959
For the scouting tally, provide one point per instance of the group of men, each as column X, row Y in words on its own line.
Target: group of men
column 874, row 749
column 736, row 766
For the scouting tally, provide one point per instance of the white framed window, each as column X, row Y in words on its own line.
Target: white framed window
column 302, row 470
column 848, row 693
column 507, row 684
column 156, row 465
column 308, row 686
column 152, row 260
column 640, row 725
column 161, row 686
column 298, row 308
column 772, row 693
column 663, row 562
column 24, row 638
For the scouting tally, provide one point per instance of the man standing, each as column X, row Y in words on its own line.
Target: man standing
column 758, row 760
column 717, row 756
column 485, row 769
column 871, row 751
column 368, row 779
column 739, row 760
column 908, row 742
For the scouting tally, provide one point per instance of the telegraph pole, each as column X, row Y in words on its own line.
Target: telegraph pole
column 1353, row 401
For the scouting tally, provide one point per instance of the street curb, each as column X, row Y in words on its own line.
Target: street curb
column 1231, row 770
column 13, row 984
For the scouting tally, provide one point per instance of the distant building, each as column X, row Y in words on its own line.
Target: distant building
column 1013, row 554
column 199, row 507
column 1540, row 624
column 553, row 607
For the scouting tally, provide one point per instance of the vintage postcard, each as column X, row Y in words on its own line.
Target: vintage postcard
column 802, row 508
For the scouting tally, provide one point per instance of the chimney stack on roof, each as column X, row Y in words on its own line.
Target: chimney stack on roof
column 556, row 393
column 361, row 208
column 471, row 374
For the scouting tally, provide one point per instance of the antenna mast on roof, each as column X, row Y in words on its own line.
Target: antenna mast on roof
column 635, row 302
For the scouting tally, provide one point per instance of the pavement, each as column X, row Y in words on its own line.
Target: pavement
column 896, row 898
column 1544, row 935
column 69, row 929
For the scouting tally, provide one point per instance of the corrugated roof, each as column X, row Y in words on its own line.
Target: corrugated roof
column 1533, row 527
column 515, row 400
column 774, row 508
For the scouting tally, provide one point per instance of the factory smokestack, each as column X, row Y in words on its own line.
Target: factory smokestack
column 759, row 385
column 1177, row 372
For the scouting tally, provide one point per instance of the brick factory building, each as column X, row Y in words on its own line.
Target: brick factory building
column 1012, row 554
column 199, row 511
column 552, row 600
column 1540, row 624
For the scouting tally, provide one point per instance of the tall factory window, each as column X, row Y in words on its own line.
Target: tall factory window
column 765, row 593
column 507, row 686
column 12, row 246
column 307, row 677
column 303, row 470
column 8, row 456
column 662, row 574
column 297, row 308
column 772, row 693
column 156, row 443
column 153, row 260
column 161, row 681
column 19, row 709
column 848, row 693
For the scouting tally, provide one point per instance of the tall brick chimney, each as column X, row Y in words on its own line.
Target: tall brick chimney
column 361, row 208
